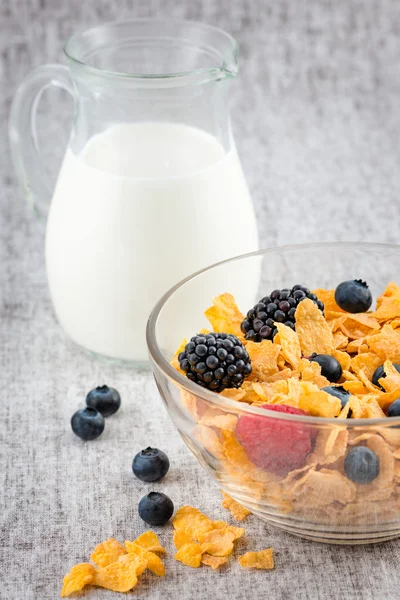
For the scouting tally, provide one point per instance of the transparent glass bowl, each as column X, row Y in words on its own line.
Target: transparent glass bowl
column 324, row 506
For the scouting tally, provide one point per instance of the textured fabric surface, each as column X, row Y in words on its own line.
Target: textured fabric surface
column 317, row 124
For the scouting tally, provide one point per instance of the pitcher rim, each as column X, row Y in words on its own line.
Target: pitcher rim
column 227, row 69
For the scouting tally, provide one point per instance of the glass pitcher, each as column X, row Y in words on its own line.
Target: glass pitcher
column 151, row 187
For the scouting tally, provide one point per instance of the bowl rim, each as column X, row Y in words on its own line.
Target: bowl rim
column 227, row 404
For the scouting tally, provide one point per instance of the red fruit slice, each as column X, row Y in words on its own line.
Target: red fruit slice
column 276, row 445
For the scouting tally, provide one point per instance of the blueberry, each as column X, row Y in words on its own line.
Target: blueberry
column 361, row 465
column 339, row 392
column 330, row 367
column 353, row 296
column 150, row 464
column 104, row 399
column 379, row 373
column 394, row 409
column 155, row 508
column 87, row 423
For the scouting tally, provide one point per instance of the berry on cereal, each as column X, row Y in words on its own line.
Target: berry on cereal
column 215, row 361
column 394, row 409
column 353, row 296
column 379, row 373
column 361, row 465
column 275, row 445
column 330, row 366
column 278, row 307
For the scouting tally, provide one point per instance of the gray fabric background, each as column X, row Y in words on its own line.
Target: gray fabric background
column 316, row 115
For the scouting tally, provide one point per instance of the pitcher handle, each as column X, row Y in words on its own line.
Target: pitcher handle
column 25, row 151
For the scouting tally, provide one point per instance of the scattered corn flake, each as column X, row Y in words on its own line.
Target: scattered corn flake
column 150, row 541
column 238, row 511
column 190, row 555
column 79, row 576
column 213, row 561
column 220, row 419
column 314, row 332
column 386, row 344
column 181, row 537
column 290, row 343
column 225, row 315
column 192, row 521
column 264, row 359
column 108, row 552
column 237, row 532
column 122, row 575
column 264, row 559
column 218, row 542
column 154, row 562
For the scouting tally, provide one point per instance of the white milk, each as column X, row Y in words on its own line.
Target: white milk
column 140, row 208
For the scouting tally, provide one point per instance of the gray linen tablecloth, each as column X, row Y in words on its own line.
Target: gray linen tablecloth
column 316, row 116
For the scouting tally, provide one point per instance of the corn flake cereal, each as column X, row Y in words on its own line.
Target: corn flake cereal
column 108, row 552
column 154, row 562
column 264, row 559
column 290, row 343
column 264, row 359
column 150, row 541
column 218, row 542
column 213, row 561
column 192, row 521
column 238, row 511
column 237, row 532
column 79, row 576
column 225, row 315
column 282, row 374
column 122, row 575
column 190, row 555
column 314, row 332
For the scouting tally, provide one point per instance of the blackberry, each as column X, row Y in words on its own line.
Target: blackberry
column 279, row 306
column 215, row 361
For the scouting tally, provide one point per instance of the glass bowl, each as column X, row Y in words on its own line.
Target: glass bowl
column 318, row 503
